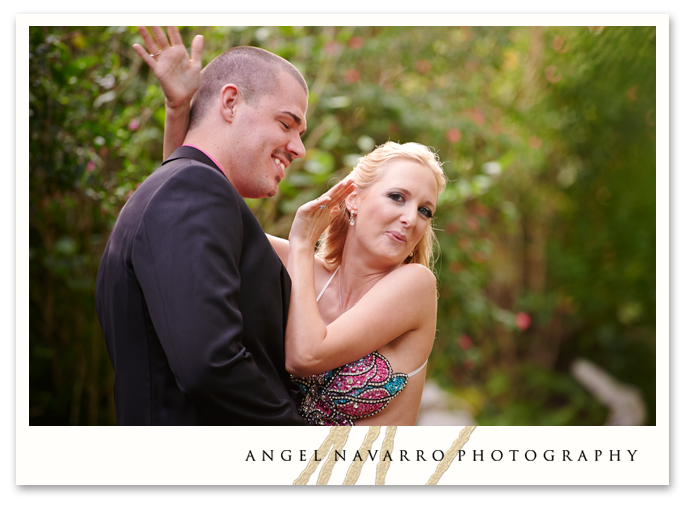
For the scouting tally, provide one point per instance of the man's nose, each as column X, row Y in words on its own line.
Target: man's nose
column 296, row 147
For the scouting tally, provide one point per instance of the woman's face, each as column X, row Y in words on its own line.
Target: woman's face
column 395, row 211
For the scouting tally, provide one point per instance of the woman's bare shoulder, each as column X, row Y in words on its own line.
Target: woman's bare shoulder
column 415, row 277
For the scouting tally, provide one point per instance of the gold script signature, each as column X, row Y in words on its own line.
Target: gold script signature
column 337, row 438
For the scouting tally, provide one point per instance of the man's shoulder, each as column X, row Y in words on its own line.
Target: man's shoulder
column 188, row 168
column 185, row 176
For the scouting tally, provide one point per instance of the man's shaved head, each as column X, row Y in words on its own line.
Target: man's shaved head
column 254, row 70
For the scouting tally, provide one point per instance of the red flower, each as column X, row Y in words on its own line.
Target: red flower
column 479, row 256
column 355, row 42
column 522, row 320
column 423, row 66
column 455, row 266
column 465, row 342
column 480, row 210
column 452, row 228
column 535, row 142
column 351, row 76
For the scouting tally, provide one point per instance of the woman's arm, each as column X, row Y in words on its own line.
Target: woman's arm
column 280, row 246
column 178, row 74
column 405, row 300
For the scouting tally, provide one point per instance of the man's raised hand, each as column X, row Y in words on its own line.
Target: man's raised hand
column 177, row 71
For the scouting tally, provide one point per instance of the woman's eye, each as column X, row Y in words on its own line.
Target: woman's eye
column 284, row 125
column 396, row 197
column 425, row 212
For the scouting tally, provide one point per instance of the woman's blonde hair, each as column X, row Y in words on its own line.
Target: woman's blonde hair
column 364, row 174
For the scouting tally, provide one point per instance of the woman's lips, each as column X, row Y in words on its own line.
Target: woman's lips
column 396, row 236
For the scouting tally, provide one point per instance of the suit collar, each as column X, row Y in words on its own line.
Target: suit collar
column 194, row 154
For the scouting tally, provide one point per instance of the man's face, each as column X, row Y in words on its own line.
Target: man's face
column 266, row 138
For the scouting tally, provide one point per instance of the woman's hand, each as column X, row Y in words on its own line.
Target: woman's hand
column 177, row 72
column 313, row 218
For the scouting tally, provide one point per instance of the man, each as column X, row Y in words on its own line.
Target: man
column 191, row 297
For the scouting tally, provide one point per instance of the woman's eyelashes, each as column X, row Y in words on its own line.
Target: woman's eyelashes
column 398, row 197
column 426, row 212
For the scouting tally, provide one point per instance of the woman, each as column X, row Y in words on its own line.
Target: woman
column 377, row 303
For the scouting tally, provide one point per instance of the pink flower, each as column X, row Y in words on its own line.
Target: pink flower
column 465, row 342
column 453, row 135
column 90, row 166
column 478, row 117
column 134, row 125
column 331, row 47
column 472, row 223
column 522, row 320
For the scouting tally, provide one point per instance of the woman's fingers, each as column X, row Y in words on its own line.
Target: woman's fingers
column 332, row 198
column 341, row 190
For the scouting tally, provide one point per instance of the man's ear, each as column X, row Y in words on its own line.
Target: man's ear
column 352, row 201
column 230, row 99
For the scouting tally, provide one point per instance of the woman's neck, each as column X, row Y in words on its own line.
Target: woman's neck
column 357, row 277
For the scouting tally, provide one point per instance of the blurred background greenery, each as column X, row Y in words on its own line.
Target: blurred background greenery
column 547, row 228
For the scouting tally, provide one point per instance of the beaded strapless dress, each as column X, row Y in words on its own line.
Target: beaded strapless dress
column 353, row 391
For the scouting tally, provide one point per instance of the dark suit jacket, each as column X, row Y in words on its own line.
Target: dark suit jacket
column 193, row 303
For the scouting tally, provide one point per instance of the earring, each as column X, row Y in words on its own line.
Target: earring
column 410, row 254
column 351, row 216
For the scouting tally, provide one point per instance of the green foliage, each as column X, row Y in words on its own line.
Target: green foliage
column 546, row 229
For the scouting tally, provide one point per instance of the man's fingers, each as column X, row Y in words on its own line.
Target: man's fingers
column 148, row 41
column 174, row 35
column 196, row 50
column 144, row 54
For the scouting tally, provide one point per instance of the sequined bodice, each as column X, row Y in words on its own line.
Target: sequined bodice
column 343, row 395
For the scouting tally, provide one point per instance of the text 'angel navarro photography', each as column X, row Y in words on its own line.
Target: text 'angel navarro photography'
column 550, row 455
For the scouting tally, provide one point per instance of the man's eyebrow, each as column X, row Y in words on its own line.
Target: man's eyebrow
column 296, row 119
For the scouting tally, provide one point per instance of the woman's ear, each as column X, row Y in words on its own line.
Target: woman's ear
column 352, row 201
column 230, row 99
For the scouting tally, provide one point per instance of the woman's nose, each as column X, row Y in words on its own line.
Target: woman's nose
column 408, row 216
